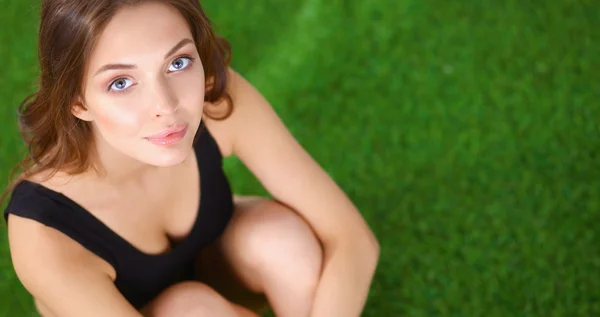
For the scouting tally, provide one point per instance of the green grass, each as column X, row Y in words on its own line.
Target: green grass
column 466, row 132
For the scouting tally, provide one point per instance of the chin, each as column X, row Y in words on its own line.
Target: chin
column 165, row 157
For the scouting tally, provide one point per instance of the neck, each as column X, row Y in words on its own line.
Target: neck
column 116, row 168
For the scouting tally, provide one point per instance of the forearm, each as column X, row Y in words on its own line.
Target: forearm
column 345, row 281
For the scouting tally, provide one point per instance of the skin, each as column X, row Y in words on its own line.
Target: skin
column 308, row 252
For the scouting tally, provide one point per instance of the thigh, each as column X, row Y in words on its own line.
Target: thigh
column 193, row 299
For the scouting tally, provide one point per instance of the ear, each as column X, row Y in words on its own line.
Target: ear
column 79, row 110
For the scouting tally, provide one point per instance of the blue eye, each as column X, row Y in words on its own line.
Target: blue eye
column 180, row 63
column 120, row 84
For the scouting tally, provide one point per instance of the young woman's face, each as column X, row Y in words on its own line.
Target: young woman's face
column 144, row 91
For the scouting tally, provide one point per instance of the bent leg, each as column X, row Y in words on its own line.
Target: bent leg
column 193, row 299
column 267, row 249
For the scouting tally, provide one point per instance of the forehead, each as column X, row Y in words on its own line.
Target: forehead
column 143, row 31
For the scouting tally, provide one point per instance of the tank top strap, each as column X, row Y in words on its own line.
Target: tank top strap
column 205, row 146
column 52, row 209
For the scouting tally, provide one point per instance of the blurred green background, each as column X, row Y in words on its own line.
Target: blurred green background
column 466, row 132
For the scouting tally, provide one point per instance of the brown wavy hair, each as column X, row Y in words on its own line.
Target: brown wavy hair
column 68, row 31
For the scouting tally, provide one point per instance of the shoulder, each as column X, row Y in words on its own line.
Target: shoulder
column 248, row 105
column 37, row 249
column 31, row 240
column 29, row 197
column 27, row 202
column 61, row 276
column 40, row 253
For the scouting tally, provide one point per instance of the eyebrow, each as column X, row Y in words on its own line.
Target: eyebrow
column 175, row 48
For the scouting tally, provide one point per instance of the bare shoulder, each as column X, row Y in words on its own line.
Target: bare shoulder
column 33, row 243
column 244, row 97
column 58, row 181
column 63, row 277
column 38, row 250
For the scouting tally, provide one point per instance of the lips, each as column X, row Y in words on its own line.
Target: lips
column 169, row 136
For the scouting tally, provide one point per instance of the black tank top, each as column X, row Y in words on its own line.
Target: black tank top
column 140, row 277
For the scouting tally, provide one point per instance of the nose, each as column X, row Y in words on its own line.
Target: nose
column 164, row 98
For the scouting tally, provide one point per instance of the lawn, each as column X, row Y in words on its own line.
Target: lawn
column 466, row 133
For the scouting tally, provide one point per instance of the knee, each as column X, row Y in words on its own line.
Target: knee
column 274, row 240
column 188, row 299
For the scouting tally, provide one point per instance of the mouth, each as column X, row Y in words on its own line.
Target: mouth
column 169, row 136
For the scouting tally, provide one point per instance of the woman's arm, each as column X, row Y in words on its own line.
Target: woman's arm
column 268, row 149
column 62, row 275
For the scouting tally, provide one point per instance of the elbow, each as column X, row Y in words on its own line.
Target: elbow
column 366, row 246
column 375, row 244
column 372, row 246
column 359, row 243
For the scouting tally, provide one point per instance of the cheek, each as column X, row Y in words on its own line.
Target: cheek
column 119, row 121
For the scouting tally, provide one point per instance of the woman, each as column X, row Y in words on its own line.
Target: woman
column 123, row 208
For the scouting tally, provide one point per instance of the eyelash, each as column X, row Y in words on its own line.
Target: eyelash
column 190, row 59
